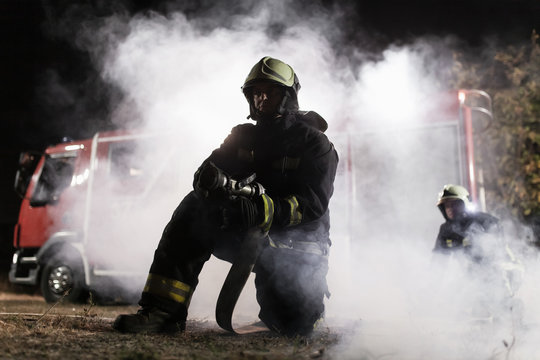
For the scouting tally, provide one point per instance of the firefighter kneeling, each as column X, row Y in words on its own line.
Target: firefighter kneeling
column 295, row 164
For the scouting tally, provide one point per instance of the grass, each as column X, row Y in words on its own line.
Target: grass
column 66, row 331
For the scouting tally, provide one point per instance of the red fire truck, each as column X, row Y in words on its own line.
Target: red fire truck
column 84, row 202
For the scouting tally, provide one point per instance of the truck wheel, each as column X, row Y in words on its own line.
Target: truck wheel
column 62, row 279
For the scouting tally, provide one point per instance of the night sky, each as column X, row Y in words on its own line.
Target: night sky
column 30, row 49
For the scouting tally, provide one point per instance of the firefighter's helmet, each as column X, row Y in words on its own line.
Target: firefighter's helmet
column 453, row 192
column 274, row 71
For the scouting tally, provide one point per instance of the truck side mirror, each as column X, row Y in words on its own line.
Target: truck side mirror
column 27, row 164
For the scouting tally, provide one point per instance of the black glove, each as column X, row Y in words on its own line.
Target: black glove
column 242, row 213
column 206, row 182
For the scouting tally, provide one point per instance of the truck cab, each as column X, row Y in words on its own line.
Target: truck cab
column 76, row 228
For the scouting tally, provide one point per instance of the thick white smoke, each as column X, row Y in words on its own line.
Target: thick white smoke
column 389, row 294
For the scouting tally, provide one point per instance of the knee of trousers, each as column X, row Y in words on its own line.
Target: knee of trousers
column 290, row 290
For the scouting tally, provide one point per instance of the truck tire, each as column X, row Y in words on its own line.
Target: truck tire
column 62, row 279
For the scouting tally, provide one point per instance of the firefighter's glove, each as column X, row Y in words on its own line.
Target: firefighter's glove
column 206, row 182
column 242, row 213
column 197, row 184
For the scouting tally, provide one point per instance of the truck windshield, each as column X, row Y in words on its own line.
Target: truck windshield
column 55, row 177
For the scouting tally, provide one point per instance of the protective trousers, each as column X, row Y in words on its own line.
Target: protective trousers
column 290, row 282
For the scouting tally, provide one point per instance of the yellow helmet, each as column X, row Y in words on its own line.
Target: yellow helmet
column 274, row 71
column 454, row 192
column 270, row 69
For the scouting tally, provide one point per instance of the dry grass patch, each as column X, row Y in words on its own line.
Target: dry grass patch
column 85, row 332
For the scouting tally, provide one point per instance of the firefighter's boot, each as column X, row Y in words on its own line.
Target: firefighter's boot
column 149, row 320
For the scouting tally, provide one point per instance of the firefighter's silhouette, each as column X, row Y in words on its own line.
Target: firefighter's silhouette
column 295, row 163
column 477, row 241
column 462, row 227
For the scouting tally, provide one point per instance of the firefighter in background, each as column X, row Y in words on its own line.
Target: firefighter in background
column 296, row 164
column 462, row 226
column 479, row 237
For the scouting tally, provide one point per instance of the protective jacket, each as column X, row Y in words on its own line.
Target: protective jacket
column 296, row 164
column 490, row 260
column 459, row 234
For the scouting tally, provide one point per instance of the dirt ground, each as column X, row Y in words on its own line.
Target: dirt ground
column 32, row 329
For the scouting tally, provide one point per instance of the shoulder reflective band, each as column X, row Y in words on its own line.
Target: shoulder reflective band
column 296, row 214
column 268, row 213
column 168, row 288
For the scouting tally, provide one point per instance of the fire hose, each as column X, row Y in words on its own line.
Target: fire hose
column 211, row 179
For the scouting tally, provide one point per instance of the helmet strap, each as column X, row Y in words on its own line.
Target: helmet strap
column 283, row 106
column 288, row 104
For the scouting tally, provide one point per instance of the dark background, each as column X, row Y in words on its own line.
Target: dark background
column 34, row 54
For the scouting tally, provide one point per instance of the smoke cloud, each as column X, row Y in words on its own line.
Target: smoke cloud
column 391, row 297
